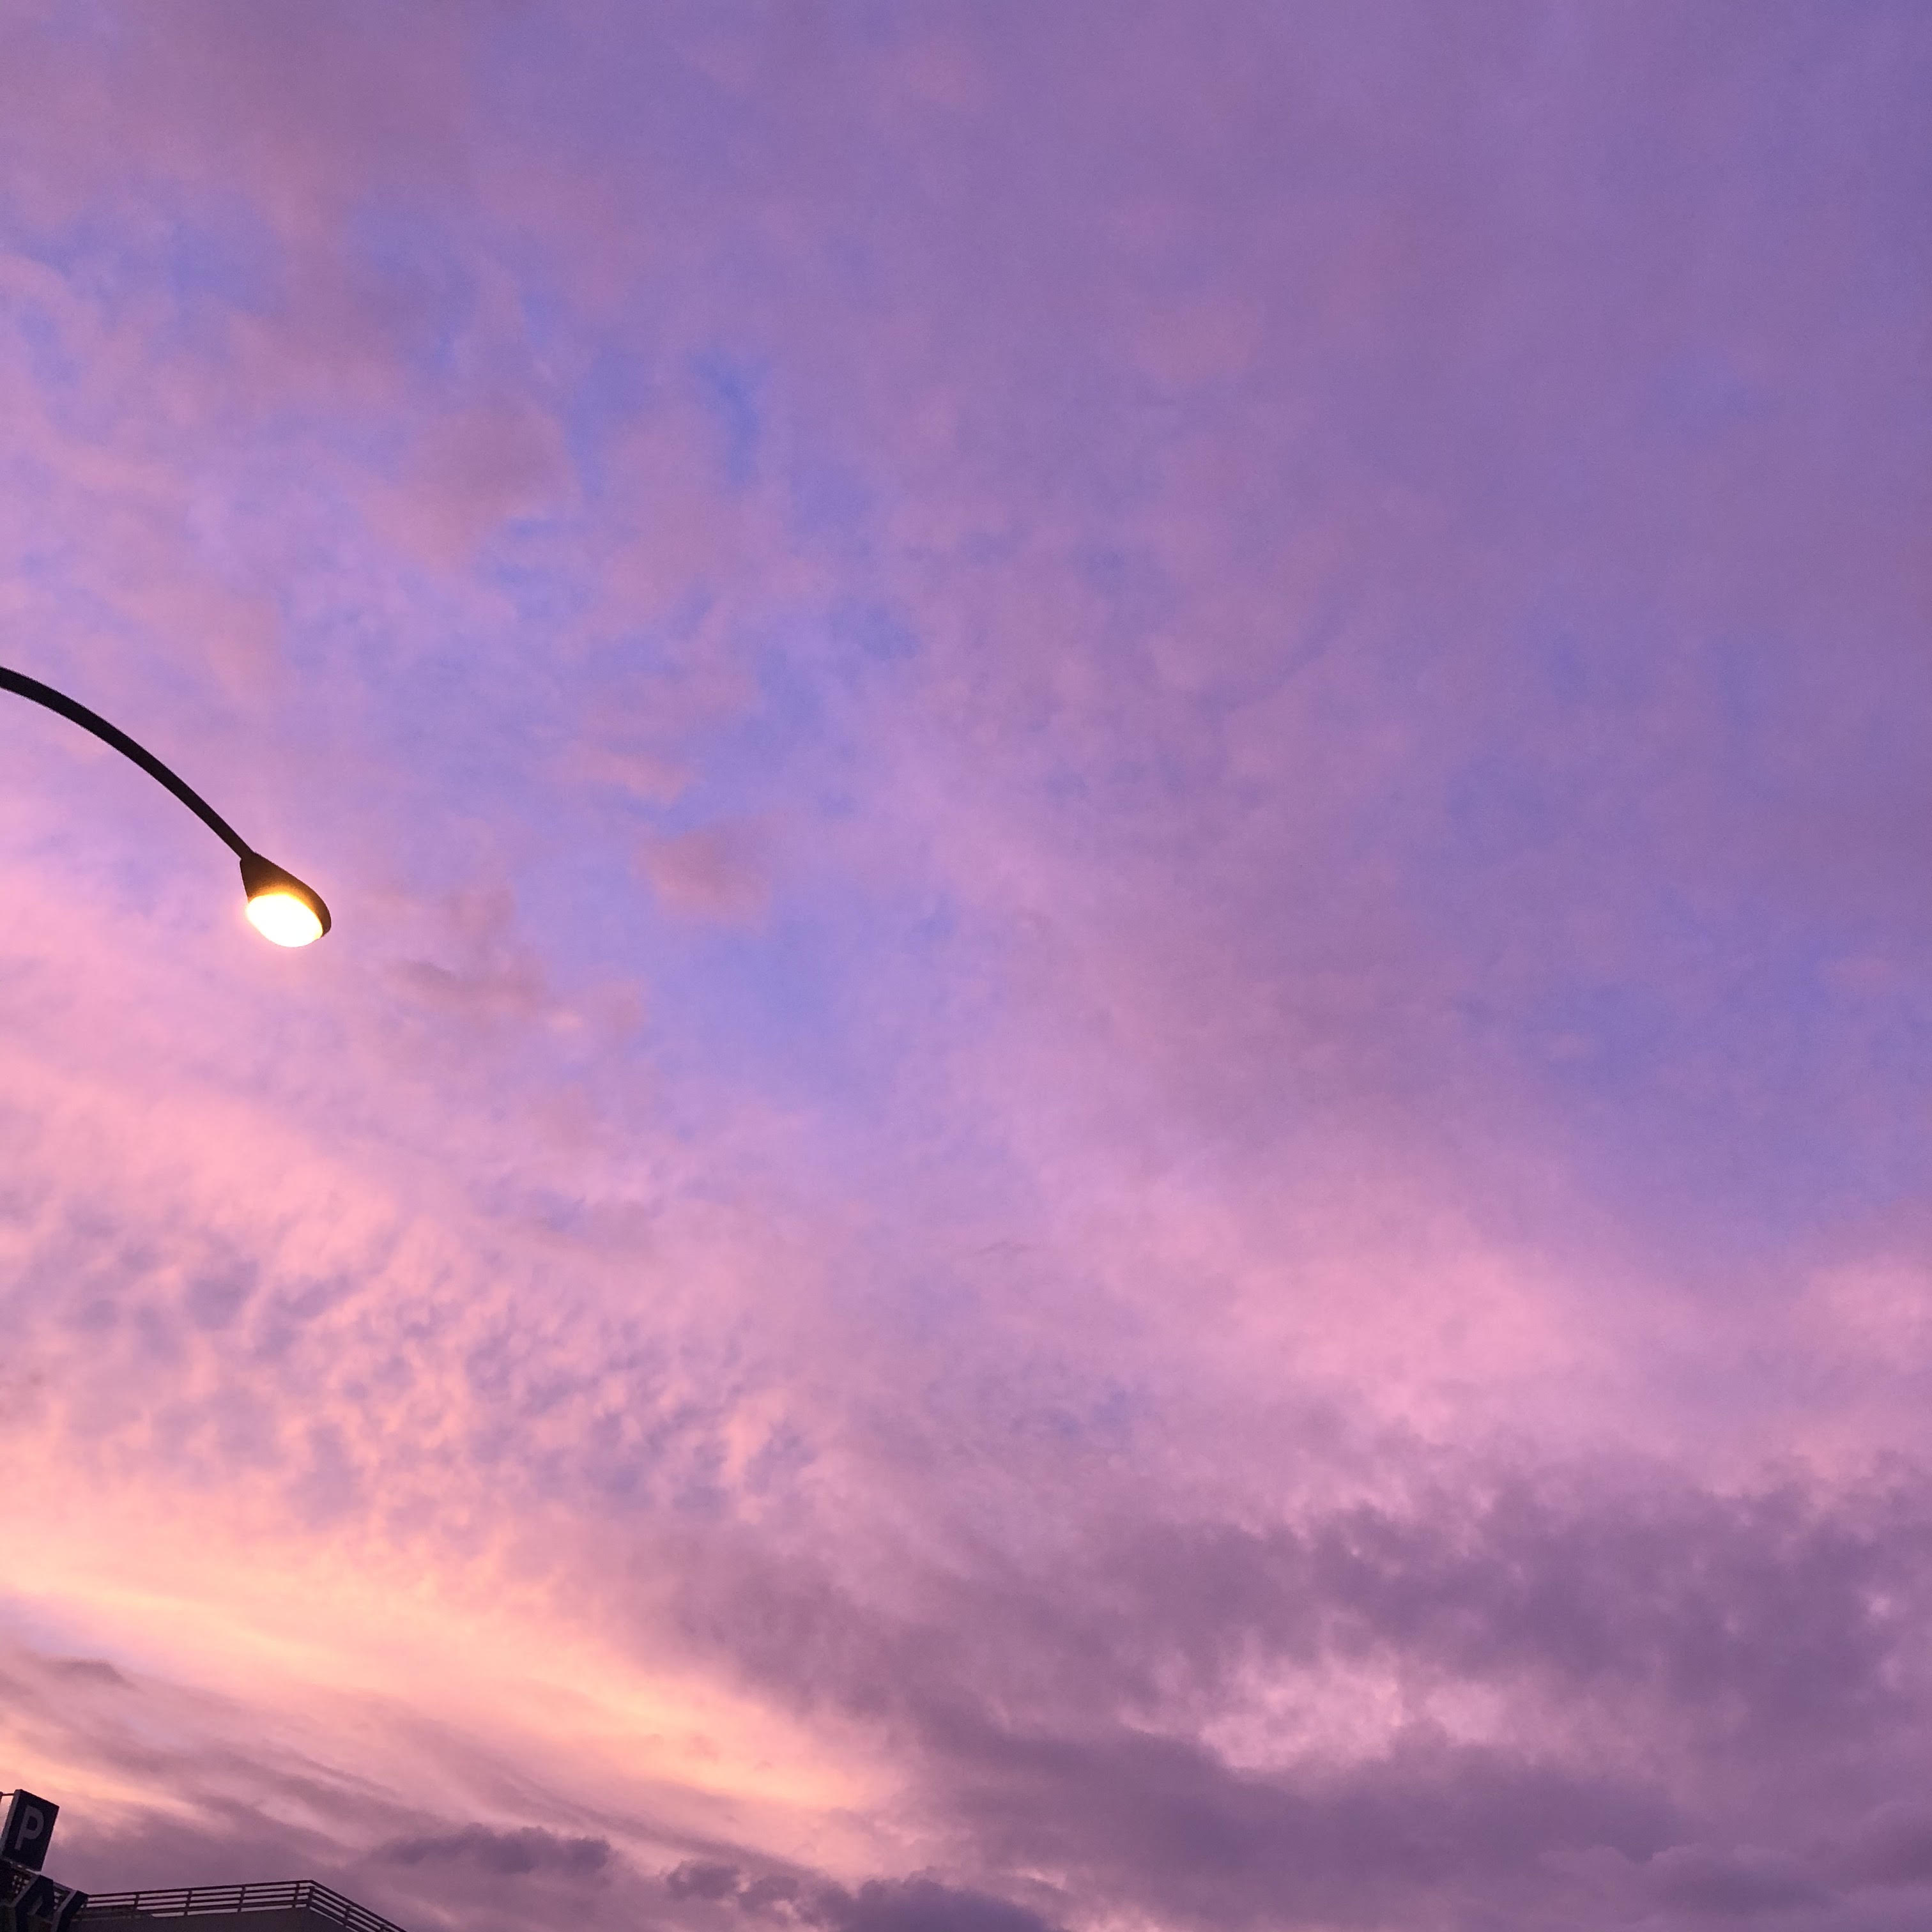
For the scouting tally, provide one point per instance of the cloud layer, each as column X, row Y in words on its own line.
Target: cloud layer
column 1118, row 1117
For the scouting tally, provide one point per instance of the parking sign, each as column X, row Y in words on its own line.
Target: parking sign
column 30, row 1824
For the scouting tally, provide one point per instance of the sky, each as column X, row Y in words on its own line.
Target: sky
column 1121, row 1119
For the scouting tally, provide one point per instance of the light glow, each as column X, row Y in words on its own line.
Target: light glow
column 281, row 916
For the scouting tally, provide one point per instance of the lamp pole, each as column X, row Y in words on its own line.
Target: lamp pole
column 280, row 907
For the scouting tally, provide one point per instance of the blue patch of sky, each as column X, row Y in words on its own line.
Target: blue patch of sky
column 1725, row 1089
column 212, row 256
column 763, row 1006
column 880, row 634
column 1700, row 395
column 1750, row 1167
column 800, row 747
column 1716, row 1083
column 1138, row 592
column 613, row 389
column 611, row 96
column 215, row 250
column 732, row 391
column 1502, row 804
column 795, row 1004
column 832, row 505
column 802, row 1003
column 55, row 366
column 1609, row 675
column 786, row 1006
column 600, row 381
column 838, row 1009
column 547, row 600
column 429, row 294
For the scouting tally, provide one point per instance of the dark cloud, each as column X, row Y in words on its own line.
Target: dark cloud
column 1777, row 1613
column 1733, row 1884
column 1716, row 1651
column 514, row 1854
column 921, row 1905
column 699, row 1878
column 1892, row 1847
column 1170, row 1823
column 918, row 1904
column 90, row 1669
column 1772, row 1616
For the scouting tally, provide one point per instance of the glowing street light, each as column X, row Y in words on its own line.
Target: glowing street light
column 280, row 907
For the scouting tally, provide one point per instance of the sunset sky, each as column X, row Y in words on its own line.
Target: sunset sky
column 1122, row 1116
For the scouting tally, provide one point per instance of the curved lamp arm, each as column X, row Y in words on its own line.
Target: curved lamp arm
column 280, row 905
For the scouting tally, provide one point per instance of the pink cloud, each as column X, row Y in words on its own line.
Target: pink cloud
column 712, row 871
column 1276, row 1299
column 469, row 471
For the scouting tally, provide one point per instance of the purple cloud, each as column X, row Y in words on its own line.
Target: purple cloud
column 1118, row 1114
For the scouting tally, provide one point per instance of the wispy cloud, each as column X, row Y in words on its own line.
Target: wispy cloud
column 1117, row 1116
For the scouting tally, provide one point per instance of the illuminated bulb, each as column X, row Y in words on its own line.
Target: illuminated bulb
column 283, row 918
column 280, row 907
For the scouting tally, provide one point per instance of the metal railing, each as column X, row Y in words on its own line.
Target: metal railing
column 197, row 1901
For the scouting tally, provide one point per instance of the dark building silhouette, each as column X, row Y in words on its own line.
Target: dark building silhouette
column 33, row 1900
column 293, row 1905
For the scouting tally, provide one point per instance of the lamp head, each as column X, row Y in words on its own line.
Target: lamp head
column 280, row 907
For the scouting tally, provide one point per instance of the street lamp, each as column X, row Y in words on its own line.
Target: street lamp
column 280, row 907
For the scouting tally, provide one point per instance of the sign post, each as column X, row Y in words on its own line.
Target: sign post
column 30, row 1901
column 30, row 1825
column 45, row 1907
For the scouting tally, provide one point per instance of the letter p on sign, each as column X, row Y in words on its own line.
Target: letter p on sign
column 30, row 1824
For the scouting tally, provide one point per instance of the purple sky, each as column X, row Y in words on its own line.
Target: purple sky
column 1122, row 1119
